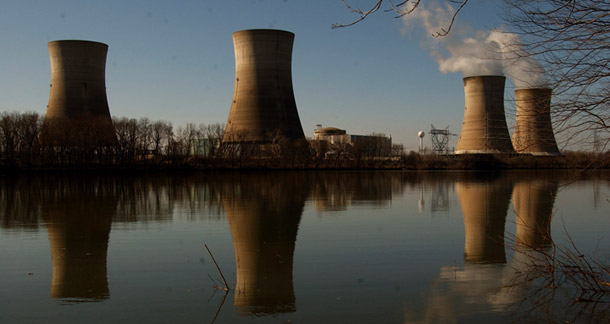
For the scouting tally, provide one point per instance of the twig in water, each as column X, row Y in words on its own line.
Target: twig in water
column 219, row 271
column 220, row 307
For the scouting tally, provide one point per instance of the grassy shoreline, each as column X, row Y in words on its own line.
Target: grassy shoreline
column 412, row 161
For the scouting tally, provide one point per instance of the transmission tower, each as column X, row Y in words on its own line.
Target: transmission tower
column 440, row 140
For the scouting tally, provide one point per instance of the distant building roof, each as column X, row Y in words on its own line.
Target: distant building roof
column 330, row 131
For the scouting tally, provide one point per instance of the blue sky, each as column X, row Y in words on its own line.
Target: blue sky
column 174, row 61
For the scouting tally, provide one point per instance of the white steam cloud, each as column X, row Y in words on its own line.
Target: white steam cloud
column 474, row 52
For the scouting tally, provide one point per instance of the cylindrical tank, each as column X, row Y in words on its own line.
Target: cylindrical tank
column 533, row 128
column 484, row 128
column 263, row 104
column 78, row 90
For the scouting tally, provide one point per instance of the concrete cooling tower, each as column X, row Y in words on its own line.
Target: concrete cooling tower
column 263, row 100
column 78, row 91
column 533, row 128
column 484, row 129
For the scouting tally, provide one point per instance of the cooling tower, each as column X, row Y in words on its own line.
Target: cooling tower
column 484, row 128
column 77, row 102
column 263, row 100
column 533, row 129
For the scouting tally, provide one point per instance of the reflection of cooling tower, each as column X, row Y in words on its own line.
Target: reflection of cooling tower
column 78, row 249
column 484, row 206
column 78, row 217
column 533, row 201
column 264, row 215
column 484, row 128
column 78, row 91
column 533, row 128
column 263, row 100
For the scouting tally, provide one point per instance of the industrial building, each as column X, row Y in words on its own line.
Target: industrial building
column 263, row 106
column 484, row 128
column 533, row 128
column 78, row 107
column 339, row 141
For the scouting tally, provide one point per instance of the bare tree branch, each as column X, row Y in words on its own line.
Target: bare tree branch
column 402, row 8
column 570, row 39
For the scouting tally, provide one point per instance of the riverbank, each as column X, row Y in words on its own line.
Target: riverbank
column 411, row 161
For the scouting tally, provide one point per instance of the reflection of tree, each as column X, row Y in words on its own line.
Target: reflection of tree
column 19, row 204
column 139, row 198
column 338, row 190
column 264, row 213
column 143, row 198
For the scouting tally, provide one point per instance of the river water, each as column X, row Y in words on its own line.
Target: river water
column 299, row 247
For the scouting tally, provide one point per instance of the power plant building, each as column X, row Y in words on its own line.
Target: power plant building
column 78, row 106
column 484, row 129
column 263, row 104
column 379, row 145
column 533, row 128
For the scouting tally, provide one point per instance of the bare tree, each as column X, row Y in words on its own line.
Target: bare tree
column 188, row 136
column 213, row 133
column 8, row 134
column 145, row 138
column 570, row 39
column 400, row 9
column 127, row 139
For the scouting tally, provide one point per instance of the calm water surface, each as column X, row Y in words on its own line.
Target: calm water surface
column 295, row 247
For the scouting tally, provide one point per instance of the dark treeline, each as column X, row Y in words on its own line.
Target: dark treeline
column 27, row 141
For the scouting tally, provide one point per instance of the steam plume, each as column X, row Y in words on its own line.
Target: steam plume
column 481, row 52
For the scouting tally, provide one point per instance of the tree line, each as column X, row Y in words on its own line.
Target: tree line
column 28, row 140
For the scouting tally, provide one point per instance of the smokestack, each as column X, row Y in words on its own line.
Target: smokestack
column 533, row 128
column 263, row 100
column 484, row 129
column 78, row 91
